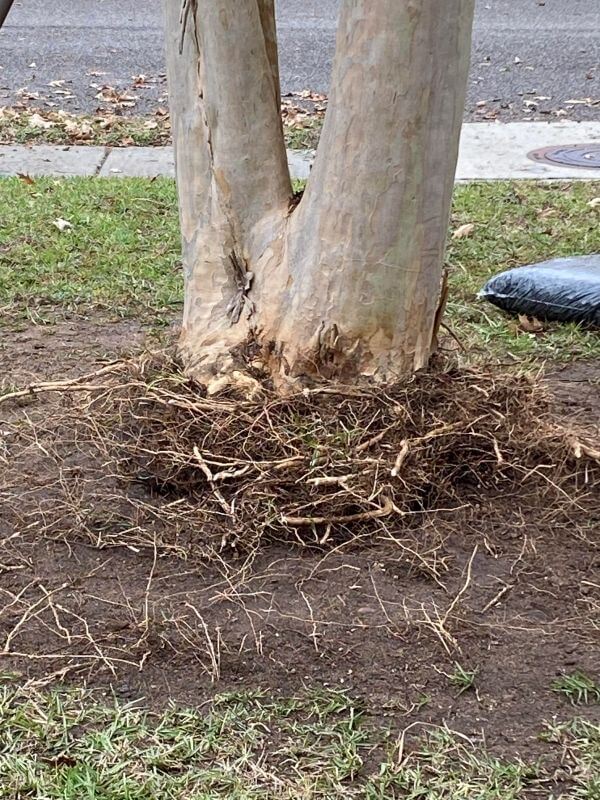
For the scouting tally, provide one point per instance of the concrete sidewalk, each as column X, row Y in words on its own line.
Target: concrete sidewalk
column 488, row 151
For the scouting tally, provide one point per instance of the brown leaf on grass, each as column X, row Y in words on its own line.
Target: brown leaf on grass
column 530, row 324
column 464, row 231
column 78, row 129
column 25, row 178
column 37, row 121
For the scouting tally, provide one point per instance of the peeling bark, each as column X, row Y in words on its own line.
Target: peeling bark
column 349, row 284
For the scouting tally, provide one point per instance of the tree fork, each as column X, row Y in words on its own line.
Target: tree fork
column 349, row 284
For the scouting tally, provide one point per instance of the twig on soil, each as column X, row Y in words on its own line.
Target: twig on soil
column 385, row 511
column 214, row 648
column 36, row 607
column 497, row 597
column 463, row 589
column 145, row 623
column 72, row 385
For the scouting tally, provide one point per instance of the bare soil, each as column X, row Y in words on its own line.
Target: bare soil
column 516, row 599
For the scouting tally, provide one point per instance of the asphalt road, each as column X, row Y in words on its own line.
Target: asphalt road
column 530, row 57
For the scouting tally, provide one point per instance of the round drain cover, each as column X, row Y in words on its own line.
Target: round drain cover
column 569, row 155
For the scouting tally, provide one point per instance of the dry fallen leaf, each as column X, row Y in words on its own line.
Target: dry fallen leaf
column 62, row 224
column 78, row 130
column 25, row 178
column 595, row 203
column 530, row 324
column 36, row 121
column 464, row 231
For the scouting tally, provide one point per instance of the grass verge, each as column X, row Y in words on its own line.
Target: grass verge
column 302, row 128
column 247, row 746
column 517, row 223
column 80, row 243
column 121, row 253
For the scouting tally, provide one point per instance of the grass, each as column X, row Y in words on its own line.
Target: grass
column 518, row 223
column 76, row 745
column 578, row 688
column 463, row 679
column 122, row 253
column 580, row 742
column 305, row 136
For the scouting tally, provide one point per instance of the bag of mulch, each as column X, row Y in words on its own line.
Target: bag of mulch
column 563, row 290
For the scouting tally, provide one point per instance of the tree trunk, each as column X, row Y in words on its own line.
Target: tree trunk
column 348, row 283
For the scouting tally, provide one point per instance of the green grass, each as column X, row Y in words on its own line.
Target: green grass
column 304, row 137
column 122, row 254
column 580, row 743
column 462, row 679
column 76, row 745
column 516, row 224
column 578, row 688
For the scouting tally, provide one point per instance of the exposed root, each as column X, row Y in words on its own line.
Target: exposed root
column 147, row 457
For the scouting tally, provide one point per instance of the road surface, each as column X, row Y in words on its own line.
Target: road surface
column 530, row 57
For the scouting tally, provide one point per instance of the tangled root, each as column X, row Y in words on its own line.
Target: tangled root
column 333, row 463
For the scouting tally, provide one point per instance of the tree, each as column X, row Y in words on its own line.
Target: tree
column 347, row 283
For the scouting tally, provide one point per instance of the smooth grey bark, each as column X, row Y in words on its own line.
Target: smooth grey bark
column 348, row 284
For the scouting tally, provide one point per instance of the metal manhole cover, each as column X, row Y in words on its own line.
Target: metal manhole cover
column 569, row 155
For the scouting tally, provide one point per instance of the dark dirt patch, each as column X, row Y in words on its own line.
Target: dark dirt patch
column 64, row 349
column 366, row 616
column 576, row 388
column 357, row 620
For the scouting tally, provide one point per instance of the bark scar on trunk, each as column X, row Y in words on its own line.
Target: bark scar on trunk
column 243, row 279
column 186, row 7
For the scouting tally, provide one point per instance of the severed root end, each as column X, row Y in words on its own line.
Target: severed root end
column 240, row 382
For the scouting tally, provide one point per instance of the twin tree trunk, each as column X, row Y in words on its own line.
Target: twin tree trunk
column 347, row 284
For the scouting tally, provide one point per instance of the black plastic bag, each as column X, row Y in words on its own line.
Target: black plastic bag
column 563, row 289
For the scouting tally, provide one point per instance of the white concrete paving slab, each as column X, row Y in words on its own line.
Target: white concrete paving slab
column 139, row 162
column 300, row 162
column 488, row 151
column 149, row 162
column 50, row 160
column 497, row 151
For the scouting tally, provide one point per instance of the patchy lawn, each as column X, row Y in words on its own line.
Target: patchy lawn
column 120, row 253
column 76, row 244
column 451, row 656
column 67, row 745
column 302, row 126
column 515, row 224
